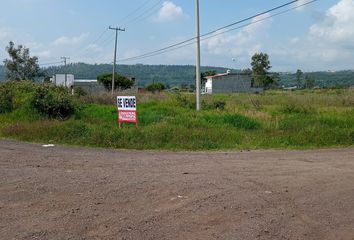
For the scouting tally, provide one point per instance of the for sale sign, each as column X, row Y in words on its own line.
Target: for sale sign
column 127, row 109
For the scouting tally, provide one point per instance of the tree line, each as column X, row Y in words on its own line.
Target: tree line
column 21, row 66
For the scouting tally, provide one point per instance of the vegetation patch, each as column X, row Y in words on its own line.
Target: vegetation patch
column 53, row 102
column 295, row 120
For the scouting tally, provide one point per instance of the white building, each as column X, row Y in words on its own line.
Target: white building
column 229, row 83
column 61, row 80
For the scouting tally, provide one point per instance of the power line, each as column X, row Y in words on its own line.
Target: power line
column 115, row 53
column 107, row 40
column 216, row 32
column 95, row 41
column 134, row 11
column 66, row 75
column 252, row 17
column 146, row 13
column 49, row 63
column 84, row 50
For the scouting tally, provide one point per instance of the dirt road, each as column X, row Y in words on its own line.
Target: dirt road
column 79, row 193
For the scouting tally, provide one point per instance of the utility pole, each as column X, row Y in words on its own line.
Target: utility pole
column 115, row 53
column 198, row 74
column 65, row 59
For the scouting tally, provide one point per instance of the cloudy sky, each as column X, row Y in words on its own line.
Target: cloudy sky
column 318, row 36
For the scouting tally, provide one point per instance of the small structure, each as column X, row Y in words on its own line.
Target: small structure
column 63, row 80
column 91, row 86
column 230, row 83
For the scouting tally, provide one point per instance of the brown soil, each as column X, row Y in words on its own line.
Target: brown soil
column 79, row 193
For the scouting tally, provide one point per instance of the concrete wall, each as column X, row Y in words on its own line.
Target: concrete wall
column 233, row 83
column 92, row 88
column 59, row 80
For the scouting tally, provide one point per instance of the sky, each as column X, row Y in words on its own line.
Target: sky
column 317, row 36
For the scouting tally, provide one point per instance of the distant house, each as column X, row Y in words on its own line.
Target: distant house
column 229, row 83
column 61, row 80
column 91, row 86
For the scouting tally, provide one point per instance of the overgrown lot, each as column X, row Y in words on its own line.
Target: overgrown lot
column 275, row 119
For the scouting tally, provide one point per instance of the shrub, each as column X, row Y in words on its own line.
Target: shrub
column 156, row 87
column 234, row 120
column 297, row 109
column 120, row 82
column 184, row 101
column 53, row 101
column 218, row 104
column 6, row 103
column 80, row 92
column 22, row 93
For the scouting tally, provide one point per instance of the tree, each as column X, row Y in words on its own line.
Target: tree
column 309, row 81
column 208, row 73
column 273, row 80
column 21, row 66
column 299, row 78
column 156, row 87
column 260, row 66
column 120, row 82
column 247, row 71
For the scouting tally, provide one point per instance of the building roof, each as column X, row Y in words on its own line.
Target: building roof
column 85, row 80
column 218, row 75
column 226, row 74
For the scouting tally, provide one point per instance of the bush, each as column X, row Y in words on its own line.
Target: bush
column 218, row 104
column 53, row 101
column 22, row 93
column 185, row 102
column 156, row 87
column 6, row 103
column 80, row 92
column 234, row 120
column 297, row 109
column 120, row 82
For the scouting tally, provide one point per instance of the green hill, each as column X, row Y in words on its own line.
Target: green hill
column 2, row 73
column 173, row 75
column 176, row 75
column 323, row 79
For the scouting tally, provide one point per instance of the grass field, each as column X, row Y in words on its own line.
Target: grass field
column 275, row 119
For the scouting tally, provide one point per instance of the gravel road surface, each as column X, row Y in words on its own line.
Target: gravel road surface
column 81, row 193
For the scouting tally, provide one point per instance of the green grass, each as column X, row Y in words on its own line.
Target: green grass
column 276, row 119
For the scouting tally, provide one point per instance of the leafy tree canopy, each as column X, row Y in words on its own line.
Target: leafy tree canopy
column 209, row 73
column 309, row 81
column 299, row 78
column 260, row 67
column 120, row 82
column 156, row 87
column 21, row 66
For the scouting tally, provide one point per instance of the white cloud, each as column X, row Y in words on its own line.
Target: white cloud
column 169, row 12
column 4, row 34
column 337, row 27
column 44, row 54
column 240, row 45
column 93, row 48
column 328, row 44
column 71, row 40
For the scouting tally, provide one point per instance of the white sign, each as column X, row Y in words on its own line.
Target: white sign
column 126, row 103
column 127, row 109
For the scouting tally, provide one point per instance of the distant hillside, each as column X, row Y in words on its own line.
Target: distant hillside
column 176, row 75
column 173, row 75
column 2, row 73
column 323, row 79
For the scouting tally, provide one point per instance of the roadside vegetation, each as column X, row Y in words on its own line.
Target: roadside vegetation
column 276, row 119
